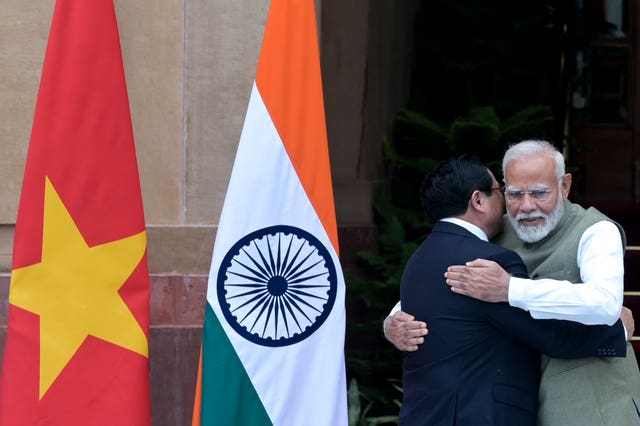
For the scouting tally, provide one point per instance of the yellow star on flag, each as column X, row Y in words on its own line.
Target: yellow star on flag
column 74, row 290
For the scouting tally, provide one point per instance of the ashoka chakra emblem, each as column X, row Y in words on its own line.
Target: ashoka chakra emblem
column 277, row 285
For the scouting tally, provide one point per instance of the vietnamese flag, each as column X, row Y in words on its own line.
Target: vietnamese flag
column 273, row 337
column 77, row 342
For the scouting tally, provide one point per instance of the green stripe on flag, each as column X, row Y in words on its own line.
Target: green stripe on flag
column 228, row 396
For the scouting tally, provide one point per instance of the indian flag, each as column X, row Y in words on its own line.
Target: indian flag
column 273, row 339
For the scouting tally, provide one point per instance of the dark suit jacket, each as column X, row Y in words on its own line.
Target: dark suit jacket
column 481, row 363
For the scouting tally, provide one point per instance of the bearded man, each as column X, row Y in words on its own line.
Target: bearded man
column 561, row 243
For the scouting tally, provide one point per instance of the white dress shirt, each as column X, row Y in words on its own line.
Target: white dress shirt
column 475, row 230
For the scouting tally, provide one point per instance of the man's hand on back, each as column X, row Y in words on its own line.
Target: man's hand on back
column 404, row 331
column 481, row 279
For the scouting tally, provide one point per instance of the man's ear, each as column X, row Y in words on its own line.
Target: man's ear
column 475, row 201
column 565, row 186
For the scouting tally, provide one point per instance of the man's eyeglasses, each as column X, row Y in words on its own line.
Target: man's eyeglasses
column 500, row 189
column 514, row 195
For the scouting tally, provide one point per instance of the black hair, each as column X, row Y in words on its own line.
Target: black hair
column 446, row 191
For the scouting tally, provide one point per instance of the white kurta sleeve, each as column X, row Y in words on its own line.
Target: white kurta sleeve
column 597, row 300
column 397, row 307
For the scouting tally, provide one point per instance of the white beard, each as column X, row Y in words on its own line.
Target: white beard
column 532, row 234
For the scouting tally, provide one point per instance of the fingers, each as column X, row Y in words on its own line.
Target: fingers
column 402, row 317
column 479, row 263
column 461, row 270
column 457, row 281
column 404, row 332
column 419, row 330
column 456, row 276
column 410, row 328
column 459, row 288
column 452, row 282
column 627, row 320
column 412, row 344
column 412, row 339
column 456, row 269
column 461, row 273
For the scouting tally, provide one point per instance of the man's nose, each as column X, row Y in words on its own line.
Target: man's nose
column 528, row 203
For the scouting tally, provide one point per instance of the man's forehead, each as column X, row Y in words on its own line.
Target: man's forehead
column 533, row 170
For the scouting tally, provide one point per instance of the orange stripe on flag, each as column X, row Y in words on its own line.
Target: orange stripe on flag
column 290, row 84
column 197, row 399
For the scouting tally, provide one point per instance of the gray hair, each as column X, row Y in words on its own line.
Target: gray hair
column 534, row 148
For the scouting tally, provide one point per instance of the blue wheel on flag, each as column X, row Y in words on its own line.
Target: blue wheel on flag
column 276, row 286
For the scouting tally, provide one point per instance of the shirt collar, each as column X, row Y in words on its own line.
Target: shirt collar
column 468, row 226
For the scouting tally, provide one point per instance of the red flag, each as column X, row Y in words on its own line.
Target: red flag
column 77, row 342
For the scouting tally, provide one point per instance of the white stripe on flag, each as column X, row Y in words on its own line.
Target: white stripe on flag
column 302, row 383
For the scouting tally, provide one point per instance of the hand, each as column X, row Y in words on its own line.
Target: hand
column 481, row 279
column 404, row 331
column 626, row 316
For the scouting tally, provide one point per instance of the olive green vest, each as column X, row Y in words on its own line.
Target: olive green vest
column 586, row 391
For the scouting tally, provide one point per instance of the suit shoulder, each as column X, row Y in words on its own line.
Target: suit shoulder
column 496, row 250
column 510, row 261
column 506, row 254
